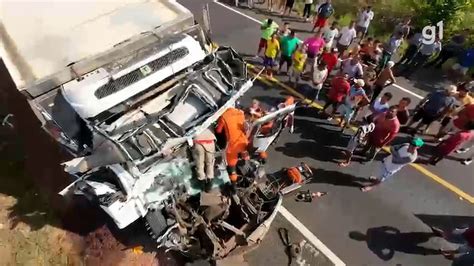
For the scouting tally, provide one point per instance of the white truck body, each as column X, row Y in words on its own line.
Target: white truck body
column 40, row 39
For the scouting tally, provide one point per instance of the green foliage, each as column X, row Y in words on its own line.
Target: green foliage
column 456, row 14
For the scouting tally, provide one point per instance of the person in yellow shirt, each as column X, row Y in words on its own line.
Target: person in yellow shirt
column 463, row 98
column 298, row 62
column 271, row 52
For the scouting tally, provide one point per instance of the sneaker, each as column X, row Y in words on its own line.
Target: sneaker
column 467, row 161
column 462, row 150
column 329, row 118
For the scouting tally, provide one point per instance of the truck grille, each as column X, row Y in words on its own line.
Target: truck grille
column 140, row 73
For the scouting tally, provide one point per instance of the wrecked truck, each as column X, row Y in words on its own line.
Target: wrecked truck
column 124, row 87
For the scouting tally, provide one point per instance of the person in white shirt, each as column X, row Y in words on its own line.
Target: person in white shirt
column 352, row 67
column 346, row 36
column 421, row 58
column 400, row 155
column 320, row 74
column 329, row 33
column 365, row 17
column 307, row 9
column 379, row 106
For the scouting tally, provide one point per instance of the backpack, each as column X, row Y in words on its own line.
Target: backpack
column 326, row 10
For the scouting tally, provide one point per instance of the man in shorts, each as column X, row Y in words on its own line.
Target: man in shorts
column 340, row 87
column 364, row 19
column 400, row 156
column 346, row 37
column 298, row 63
column 355, row 96
column 288, row 45
column 325, row 11
column 313, row 44
column 268, row 27
column 271, row 52
column 433, row 107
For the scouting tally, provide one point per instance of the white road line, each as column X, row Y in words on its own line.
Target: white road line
column 259, row 22
column 408, row 91
column 238, row 12
column 311, row 237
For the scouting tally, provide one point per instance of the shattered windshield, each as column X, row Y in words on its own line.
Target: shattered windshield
column 69, row 121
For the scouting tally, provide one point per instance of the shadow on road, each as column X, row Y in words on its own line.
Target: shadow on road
column 384, row 241
column 338, row 178
column 446, row 222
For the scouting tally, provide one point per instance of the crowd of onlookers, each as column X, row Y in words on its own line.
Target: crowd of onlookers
column 355, row 69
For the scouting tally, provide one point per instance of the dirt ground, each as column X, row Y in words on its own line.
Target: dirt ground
column 39, row 227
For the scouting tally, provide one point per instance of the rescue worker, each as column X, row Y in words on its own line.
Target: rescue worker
column 232, row 124
column 204, row 149
column 255, row 110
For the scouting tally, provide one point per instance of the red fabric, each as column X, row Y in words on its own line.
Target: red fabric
column 464, row 116
column 339, row 89
column 453, row 142
column 330, row 59
column 469, row 236
column 385, row 130
column 320, row 22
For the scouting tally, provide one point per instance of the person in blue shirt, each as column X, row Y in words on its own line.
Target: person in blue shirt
column 465, row 61
column 433, row 107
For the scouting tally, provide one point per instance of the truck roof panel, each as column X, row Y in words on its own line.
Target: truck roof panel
column 42, row 38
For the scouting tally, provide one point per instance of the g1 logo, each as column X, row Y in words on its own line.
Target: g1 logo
column 429, row 33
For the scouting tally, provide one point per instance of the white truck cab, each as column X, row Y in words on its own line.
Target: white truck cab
column 125, row 86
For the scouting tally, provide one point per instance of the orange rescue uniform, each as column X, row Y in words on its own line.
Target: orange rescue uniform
column 232, row 124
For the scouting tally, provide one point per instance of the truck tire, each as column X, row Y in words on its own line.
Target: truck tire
column 155, row 223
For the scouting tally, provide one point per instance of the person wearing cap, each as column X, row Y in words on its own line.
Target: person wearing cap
column 203, row 154
column 463, row 99
column 384, row 79
column 387, row 127
column 355, row 96
column 433, row 107
column 400, row 156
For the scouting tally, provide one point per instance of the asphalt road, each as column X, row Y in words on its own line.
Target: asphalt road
column 387, row 226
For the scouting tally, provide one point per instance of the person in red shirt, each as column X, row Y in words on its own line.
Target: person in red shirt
column 452, row 143
column 465, row 116
column 386, row 128
column 330, row 58
column 340, row 87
